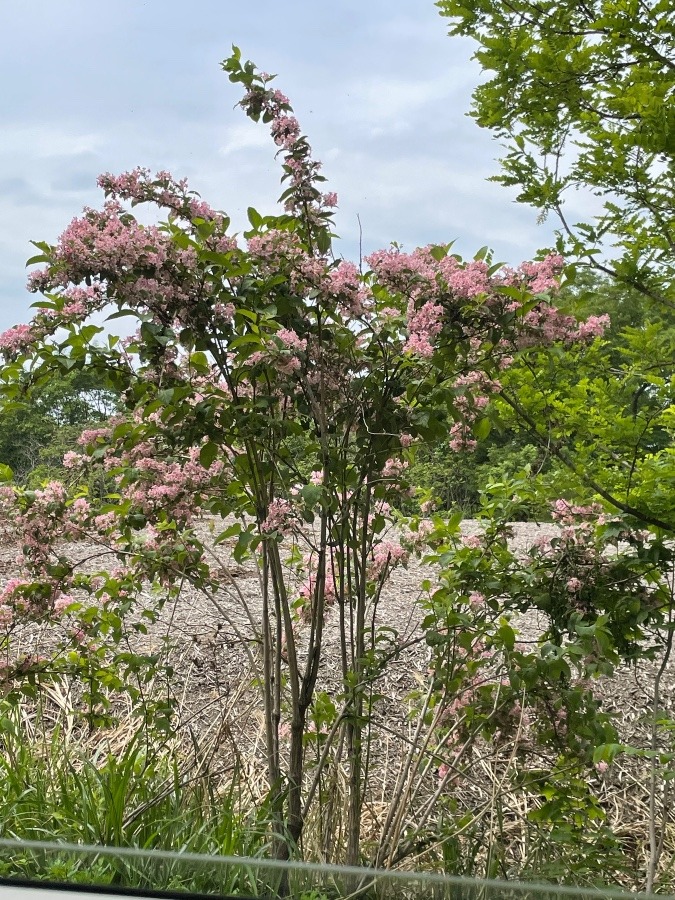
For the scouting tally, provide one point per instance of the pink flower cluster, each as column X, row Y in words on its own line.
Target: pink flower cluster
column 139, row 187
column 568, row 513
column 164, row 485
column 14, row 597
column 301, row 169
column 21, row 600
column 344, row 282
column 539, row 277
column 16, row 339
column 424, row 325
column 279, row 517
column 472, row 394
column 290, row 340
column 461, row 437
column 420, row 274
column 309, row 587
column 386, row 555
column 477, row 600
column 547, row 324
column 394, row 468
column 594, row 326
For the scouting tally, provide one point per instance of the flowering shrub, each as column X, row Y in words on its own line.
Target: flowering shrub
column 276, row 388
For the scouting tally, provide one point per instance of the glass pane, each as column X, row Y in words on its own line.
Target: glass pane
column 70, row 869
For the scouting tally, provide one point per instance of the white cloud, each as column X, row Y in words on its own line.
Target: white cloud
column 379, row 88
column 397, row 100
column 45, row 142
column 246, row 136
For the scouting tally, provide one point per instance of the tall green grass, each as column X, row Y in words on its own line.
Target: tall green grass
column 118, row 788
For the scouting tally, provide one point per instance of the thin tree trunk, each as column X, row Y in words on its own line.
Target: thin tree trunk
column 355, row 727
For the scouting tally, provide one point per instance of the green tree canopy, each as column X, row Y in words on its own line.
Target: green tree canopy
column 582, row 94
column 38, row 428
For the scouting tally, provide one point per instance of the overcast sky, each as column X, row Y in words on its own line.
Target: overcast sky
column 379, row 88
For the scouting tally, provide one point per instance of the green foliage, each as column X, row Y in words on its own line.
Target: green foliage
column 457, row 480
column 581, row 95
column 39, row 427
column 586, row 292
column 122, row 789
column 604, row 413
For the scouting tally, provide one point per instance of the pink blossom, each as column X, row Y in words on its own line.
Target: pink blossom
column 398, row 270
column 39, row 280
column 542, row 542
column 539, row 277
column 13, row 586
column 93, row 436
column 393, row 468
column 329, row 590
column 386, row 555
column 419, row 537
column 62, row 603
column 459, row 438
column 288, row 365
column 419, row 345
column 278, row 515
column 224, row 311
column 17, row 338
column 53, row 492
column 424, row 324
column 291, row 340
column 79, row 511
column 471, row 280
column 567, row 513
column 285, row 131
column 199, row 209
column 344, row 282
column 72, row 459
column 279, row 98
column 594, row 326
column 574, row 585
column 140, row 186
column 105, row 521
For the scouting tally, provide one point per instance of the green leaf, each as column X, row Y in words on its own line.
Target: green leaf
column 482, row 428
column 323, row 240
column 607, row 752
column 439, row 252
column 208, row 454
column 125, row 312
column 254, row 217
column 311, row 494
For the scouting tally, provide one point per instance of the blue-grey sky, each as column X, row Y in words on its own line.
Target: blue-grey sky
column 379, row 88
